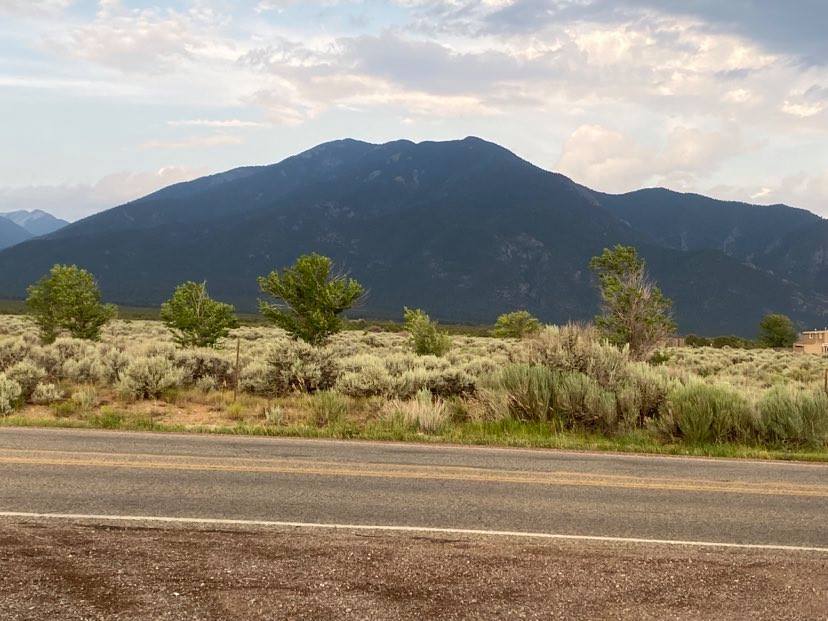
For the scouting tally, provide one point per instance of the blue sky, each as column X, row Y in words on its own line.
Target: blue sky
column 104, row 101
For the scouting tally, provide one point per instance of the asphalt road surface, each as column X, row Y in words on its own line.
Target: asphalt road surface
column 109, row 525
column 384, row 484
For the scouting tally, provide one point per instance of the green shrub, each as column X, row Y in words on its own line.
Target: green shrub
column 425, row 337
column 777, row 330
column 692, row 340
column 734, row 342
column 702, row 413
column 530, row 391
column 194, row 318
column 328, row 407
column 106, row 419
column 10, row 392
column 516, row 325
column 791, row 416
column 68, row 299
column 580, row 402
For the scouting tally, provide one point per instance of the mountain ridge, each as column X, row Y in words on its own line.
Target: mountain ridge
column 465, row 229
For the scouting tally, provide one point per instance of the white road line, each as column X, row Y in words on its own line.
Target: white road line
column 409, row 529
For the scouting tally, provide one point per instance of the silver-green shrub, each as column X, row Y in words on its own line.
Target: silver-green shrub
column 579, row 348
column 364, row 376
column 298, row 366
column 793, row 416
column 28, row 375
column 423, row 413
column 205, row 362
column 704, row 413
column 44, row 394
column 10, row 392
column 147, row 378
column 257, row 378
column 530, row 391
column 85, row 398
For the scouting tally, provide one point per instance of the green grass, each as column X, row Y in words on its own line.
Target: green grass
column 504, row 434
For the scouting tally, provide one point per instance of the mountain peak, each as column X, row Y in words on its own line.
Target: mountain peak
column 463, row 228
column 36, row 221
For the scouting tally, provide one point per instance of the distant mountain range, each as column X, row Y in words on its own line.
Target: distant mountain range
column 18, row 226
column 464, row 229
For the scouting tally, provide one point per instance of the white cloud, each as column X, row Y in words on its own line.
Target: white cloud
column 803, row 189
column 232, row 123
column 803, row 110
column 609, row 160
column 73, row 201
column 146, row 40
column 33, row 7
column 213, row 140
column 641, row 92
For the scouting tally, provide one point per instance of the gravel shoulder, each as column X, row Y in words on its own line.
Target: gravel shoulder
column 63, row 570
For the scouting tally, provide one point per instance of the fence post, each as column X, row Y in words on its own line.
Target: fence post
column 236, row 377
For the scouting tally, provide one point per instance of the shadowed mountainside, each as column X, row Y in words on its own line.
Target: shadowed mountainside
column 464, row 229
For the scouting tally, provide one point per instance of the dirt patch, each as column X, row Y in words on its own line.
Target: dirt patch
column 93, row 571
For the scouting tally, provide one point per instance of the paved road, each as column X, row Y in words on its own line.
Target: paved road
column 290, row 480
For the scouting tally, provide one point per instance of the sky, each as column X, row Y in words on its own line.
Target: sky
column 104, row 101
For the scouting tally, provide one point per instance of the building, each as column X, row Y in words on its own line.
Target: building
column 812, row 342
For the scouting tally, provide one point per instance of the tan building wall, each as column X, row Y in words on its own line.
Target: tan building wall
column 812, row 342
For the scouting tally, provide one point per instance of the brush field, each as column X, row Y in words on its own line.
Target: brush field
column 563, row 387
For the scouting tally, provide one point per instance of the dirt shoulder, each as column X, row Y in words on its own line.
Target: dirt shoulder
column 94, row 571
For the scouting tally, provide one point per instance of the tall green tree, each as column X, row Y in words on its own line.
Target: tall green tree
column 633, row 309
column 67, row 299
column 194, row 318
column 310, row 298
column 776, row 330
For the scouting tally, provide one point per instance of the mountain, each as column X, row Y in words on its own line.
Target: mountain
column 11, row 233
column 464, row 229
column 36, row 221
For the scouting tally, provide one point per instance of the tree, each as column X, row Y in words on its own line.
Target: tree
column 634, row 310
column 194, row 318
column 777, row 330
column 310, row 298
column 426, row 339
column 516, row 325
column 68, row 299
